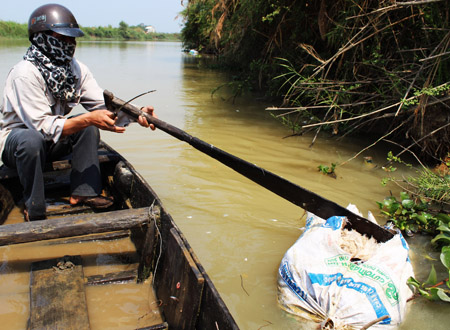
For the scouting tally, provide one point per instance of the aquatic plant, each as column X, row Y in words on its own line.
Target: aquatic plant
column 432, row 288
column 413, row 216
column 409, row 215
column 328, row 170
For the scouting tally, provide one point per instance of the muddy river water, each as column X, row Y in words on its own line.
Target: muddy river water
column 239, row 230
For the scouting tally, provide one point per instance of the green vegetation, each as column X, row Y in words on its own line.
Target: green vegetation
column 13, row 30
column 430, row 185
column 411, row 215
column 324, row 169
column 340, row 66
column 126, row 32
column 422, row 210
column 431, row 288
column 123, row 32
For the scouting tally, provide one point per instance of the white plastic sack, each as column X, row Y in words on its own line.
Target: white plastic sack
column 317, row 279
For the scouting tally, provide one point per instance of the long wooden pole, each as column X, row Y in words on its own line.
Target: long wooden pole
column 296, row 194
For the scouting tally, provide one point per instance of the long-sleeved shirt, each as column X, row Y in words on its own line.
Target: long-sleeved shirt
column 27, row 102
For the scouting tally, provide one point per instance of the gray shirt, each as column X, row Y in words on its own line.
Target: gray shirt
column 27, row 102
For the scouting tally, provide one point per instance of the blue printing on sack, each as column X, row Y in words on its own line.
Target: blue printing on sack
column 334, row 222
column 405, row 246
column 309, row 222
column 367, row 290
column 290, row 282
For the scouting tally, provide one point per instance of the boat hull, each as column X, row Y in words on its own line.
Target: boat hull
column 163, row 258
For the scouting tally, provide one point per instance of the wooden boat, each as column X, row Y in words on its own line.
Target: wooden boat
column 161, row 260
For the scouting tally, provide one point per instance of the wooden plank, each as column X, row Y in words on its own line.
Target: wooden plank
column 162, row 326
column 148, row 249
column 66, row 209
column 73, row 226
column 131, row 186
column 57, row 296
column 92, row 238
column 178, row 284
column 123, row 276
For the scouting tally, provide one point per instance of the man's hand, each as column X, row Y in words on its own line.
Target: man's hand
column 102, row 119
column 105, row 120
column 142, row 121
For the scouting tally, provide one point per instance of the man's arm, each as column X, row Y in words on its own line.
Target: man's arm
column 103, row 119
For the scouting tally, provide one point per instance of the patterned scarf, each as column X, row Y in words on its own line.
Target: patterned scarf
column 52, row 57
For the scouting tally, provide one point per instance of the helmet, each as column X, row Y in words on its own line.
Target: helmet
column 56, row 18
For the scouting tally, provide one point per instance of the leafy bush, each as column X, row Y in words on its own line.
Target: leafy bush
column 409, row 215
column 412, row 216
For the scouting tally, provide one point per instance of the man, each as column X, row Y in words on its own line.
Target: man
column 39, row 92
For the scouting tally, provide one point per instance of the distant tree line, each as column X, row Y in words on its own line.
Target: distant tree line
column 127, row 32
column 13, row 30
column 10, row 29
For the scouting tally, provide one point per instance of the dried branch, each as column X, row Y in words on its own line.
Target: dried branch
column 373, row 144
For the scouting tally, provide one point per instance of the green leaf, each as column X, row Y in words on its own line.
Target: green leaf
column 404, row 195
column 445, row 256
column 421, row 218
column 427, row 257
column 421, row 206
column 391, row 205
column 432, row 277
column 441, row 238
column 408, row 203
column 412, row 281
column 442, row 295
column 443, row 228
column 433, row 294
column 445, row 218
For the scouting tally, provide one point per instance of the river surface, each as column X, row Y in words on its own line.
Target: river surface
column 239, row 230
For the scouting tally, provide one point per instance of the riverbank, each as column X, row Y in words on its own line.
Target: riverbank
column 344, row 67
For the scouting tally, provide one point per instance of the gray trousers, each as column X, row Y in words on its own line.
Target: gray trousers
column 27, row 152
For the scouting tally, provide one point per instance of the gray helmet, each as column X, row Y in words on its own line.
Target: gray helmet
column 56, row 18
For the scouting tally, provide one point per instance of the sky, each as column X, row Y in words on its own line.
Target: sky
column 161, row 14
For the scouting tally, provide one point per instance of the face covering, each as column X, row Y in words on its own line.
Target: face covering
column 52, row 57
